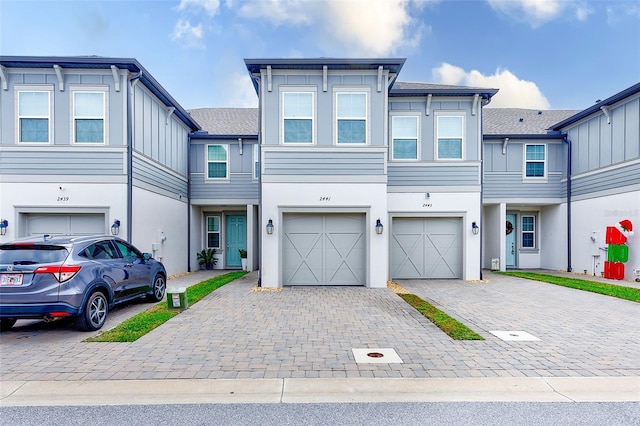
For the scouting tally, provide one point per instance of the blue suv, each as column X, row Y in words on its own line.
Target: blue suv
column 70, row 276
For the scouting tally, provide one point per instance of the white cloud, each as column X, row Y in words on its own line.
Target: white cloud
column 513, row 92
column 538, row 12
column 237, row 91
column 189, row 34
column 358, row 27
column 211, row 7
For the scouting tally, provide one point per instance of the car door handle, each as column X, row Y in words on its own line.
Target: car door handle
column 129, row 265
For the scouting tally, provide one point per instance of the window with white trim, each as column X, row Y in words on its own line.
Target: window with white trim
column 213, row 232
column 528, row 231
column 89, row 117
column 297, row 117
column 217, row 161
column 450, row 136
column 404, row 137
column 34, row 116
column 256, row 161
column 351, row 117
column 535, row 161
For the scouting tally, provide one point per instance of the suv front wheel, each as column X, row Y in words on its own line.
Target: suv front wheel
column 95, row 312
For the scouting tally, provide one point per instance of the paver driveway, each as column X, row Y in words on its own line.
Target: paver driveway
column 310, row 331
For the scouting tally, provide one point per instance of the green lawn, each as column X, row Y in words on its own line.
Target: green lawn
column 622, row 292
column 139, row 325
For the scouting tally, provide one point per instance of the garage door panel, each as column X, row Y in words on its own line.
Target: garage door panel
column 426, row 248
column 323, row 249
column 64, row 224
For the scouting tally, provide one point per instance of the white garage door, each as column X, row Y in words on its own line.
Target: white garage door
column 65, row 224
column 323, row 249
column 426, row 248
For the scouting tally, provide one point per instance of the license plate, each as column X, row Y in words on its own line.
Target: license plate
column 10, row 279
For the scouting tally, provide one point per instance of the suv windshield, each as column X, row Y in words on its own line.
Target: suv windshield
column 31, row 254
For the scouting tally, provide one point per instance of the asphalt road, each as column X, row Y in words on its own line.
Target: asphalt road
column 378, row 414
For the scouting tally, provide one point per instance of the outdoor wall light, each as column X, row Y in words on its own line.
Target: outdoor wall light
column 270, row 227
column 115, row 228
column 475, row 228
column 4, row 224
column 379, row 227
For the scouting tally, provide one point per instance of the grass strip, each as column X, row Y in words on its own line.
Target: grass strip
column 451, row 326
column 141, row 324
column 621, row 292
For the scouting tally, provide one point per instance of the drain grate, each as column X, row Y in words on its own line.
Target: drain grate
column 376, row 356
column 514, row 336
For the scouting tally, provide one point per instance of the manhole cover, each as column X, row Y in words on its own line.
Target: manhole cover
column 375, row 355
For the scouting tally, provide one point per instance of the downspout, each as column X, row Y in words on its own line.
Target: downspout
column 132, row 82
column 260, row 220
column 483, row 103
column 568, row 142
column 189, row 203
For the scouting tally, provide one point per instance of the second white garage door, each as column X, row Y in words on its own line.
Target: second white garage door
column 426, row 248
column 324, row 249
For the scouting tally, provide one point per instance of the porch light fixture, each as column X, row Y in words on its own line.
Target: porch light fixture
column 115, row 228
column 379, row 227
column 475, row 228
column 4, row 224
column 270, row 227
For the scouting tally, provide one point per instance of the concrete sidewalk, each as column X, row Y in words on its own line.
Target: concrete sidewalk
column 205, row 391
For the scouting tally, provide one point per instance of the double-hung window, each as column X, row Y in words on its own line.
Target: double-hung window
column 351, row 117
column 535, row 161
column 404, row 137
column 297, row 117
column 450, row 136
column 34, row 116
column 528, row 231
column 217, row 162
column 89, row 116
column 213, row 232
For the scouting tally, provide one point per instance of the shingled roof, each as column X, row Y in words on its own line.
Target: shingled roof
column 520, row 121
column 227, row 121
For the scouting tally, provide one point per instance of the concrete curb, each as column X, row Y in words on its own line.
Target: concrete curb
column 293, row 390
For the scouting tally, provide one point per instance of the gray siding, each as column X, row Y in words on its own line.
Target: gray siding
column 613, row 180
column 597, row 144
column 239, row 187
column 149, row 176
column 425, row 175
column 506, row 185
column 325, row 163
column 513, row 160
column 53, row 161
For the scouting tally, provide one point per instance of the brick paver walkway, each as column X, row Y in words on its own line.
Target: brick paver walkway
column 310, row 331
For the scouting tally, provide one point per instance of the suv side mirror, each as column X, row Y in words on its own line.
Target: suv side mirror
column 147, row 256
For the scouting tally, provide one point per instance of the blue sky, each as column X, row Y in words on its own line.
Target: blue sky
column 559, row 54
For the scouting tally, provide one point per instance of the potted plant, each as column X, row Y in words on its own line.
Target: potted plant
column 206, row 258
column 243, row 258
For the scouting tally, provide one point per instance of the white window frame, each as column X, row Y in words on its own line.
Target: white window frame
column 206, row 162
column 256, row 161
column 104, row 90
column 42, row 88
column 337, row 91
column 207, row 232
column 532, row 232
column 446, row 114
column 393, row 138
column 542, row 178
column 301, row 90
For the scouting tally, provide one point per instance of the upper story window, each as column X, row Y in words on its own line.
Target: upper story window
column 404, row 138
column 528, row 231
column 450, row 136
column 535, row 161
column 351, row 117
column 256, row 161
column 297, row 117
column 89, row 116
column 217, row 162
column 34, row 116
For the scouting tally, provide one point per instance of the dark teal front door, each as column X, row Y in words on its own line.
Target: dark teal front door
column 236, row 235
